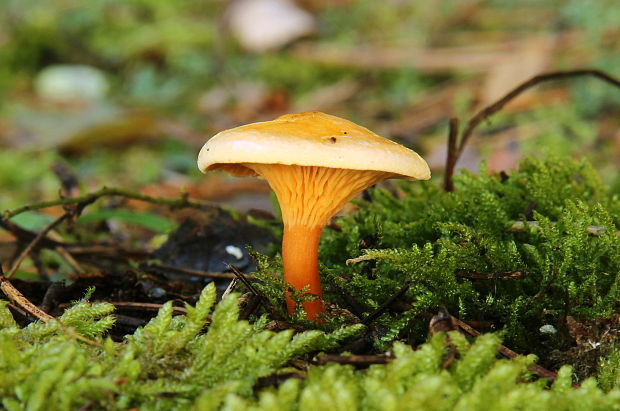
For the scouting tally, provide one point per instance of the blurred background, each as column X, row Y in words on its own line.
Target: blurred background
column 124, row 93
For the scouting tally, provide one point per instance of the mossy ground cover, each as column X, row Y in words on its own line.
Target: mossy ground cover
column 528, row 257
column 453, row 249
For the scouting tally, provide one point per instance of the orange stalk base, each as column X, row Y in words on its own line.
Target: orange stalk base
column 301, row 265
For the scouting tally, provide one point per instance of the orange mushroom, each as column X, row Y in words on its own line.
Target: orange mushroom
column 315, row 163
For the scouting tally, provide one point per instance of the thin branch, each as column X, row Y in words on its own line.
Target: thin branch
column 520, row 226
column 257, row 294
column 507, row 352
column 188, row 271
column 244, row 279
column 138, row 306
column 451, row 156
column 359, row 361
column 491, row 109
column 231, row 287
column 383, row 307
column 34, row 243
column 182, row 202
column 443, row 322
column 507, row 275
column 541, row 78
column 18, row 298
column 69, row 259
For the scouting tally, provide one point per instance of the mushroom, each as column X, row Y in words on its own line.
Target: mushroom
column 315, row 163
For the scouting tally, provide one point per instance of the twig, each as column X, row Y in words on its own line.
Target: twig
column 261, row 298
column 66, row 255
column 443, row 322
column 507, row 275
column 182, row 202
column 244, row 279
column 359, row 361
column 230, row 288
column 24, row 235
column 34, row 243
column 130, row 305
column 35, row 257
column 520, row 226
column 486, row 112
column 105, row 251
column 18, row 298
column 452, row 156
column 508, row 353
column 251, row 305
column 189, row 271
column 383, row 307
column 138, row 306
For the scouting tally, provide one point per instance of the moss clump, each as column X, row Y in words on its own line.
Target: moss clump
column 208, row 359
column 416, row 380
column 165, row 365
column 436, row 240
column 206, row 362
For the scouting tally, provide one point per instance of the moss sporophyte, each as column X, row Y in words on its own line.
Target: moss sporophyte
column 315, row 163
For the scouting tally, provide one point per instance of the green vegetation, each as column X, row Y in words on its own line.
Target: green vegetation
column 416, row 380
column 165, row 365
column 172, row 364
column 568, row 264
column 436, row 239
column 175, row 74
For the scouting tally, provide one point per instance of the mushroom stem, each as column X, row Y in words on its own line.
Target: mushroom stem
column 301, row 268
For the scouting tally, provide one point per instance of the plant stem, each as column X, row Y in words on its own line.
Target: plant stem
column 103, row 192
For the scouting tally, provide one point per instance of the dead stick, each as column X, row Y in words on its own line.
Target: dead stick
column 110, row 192
column 145, row 306
column 452, row 156
column 541, row 78
column 520, row 226
column 491, row 109
column 230, row 288
column 261, row 298
column 18, row 298
column 383, row 307
column 66, row 255
column 507, row 275
column 197, row 273
column 507, row 352
column 356, row 360
column 34, row 243
column 241, row 276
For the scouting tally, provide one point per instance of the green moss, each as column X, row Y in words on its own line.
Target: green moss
column 165, row 365
column 416, row 380
column 433, row 239
column 208, row 359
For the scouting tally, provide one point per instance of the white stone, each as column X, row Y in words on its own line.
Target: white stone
column 65, row 82
column 548, row 329
column 262, row 25
column 234, row 251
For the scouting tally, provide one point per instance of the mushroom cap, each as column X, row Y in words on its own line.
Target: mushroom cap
column 309, row 139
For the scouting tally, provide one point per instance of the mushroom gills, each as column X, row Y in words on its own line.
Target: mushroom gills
column 309, row 196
